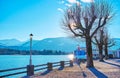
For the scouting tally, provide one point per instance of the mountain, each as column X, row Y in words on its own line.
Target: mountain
column 59, row 43
column 1, row 46
column 10, row 42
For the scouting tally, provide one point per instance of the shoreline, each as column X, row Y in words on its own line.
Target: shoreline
column 108, row 69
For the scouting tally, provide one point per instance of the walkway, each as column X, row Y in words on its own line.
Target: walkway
column 107, row 69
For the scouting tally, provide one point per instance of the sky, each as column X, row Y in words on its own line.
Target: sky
column 42, row 18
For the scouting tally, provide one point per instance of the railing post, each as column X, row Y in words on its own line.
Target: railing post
column 30, row 70
column 62, row 64
column 71, row 63
column 49, row 66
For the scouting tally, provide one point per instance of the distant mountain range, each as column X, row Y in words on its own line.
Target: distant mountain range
column 10, row 42
column 60, row 43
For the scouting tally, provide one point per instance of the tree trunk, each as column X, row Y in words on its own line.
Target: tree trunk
column 106, row 52
column 100, row 53
column 89, row 53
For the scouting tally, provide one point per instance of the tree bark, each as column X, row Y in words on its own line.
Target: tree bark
column 89, row 53
column 106, row 52
column 101, row 53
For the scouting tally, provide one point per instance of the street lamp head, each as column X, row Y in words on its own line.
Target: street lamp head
column 31, row 35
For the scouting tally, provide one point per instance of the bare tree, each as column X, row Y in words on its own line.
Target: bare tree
column 99, row 41
column 86, row 21
column 107, row 43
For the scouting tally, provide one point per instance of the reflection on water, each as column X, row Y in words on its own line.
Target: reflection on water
column 15, row 61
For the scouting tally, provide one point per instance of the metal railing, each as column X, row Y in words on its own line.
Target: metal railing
column 30, row 69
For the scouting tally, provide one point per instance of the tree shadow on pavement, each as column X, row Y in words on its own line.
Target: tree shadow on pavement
column 97, row 73
column 112, row 64
column 83, row 73
column 60, row 68
column 118, row 60
column 46, row 72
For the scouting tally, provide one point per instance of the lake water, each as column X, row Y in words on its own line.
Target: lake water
column 15, row 61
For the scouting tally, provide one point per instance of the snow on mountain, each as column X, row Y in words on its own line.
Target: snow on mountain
column 60, row 43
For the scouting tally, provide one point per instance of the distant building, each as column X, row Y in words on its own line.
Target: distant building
column 117, row 54
column 81, row 51
column 96, row 53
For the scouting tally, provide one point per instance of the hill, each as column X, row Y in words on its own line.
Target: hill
column 59, row 43
column 10, row 42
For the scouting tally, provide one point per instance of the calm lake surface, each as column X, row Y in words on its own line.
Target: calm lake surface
column 13, row 61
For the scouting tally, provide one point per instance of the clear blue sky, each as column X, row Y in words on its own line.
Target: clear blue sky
column 19, row 18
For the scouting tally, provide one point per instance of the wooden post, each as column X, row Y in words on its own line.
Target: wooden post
column 71, row 63
column 30, row 70
column 62, row 64
column 49, row 66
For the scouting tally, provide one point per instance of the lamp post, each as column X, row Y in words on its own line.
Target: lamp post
column 31, row 35
column 30, row 67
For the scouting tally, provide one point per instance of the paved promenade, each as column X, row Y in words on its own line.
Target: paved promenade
column 107, row 69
